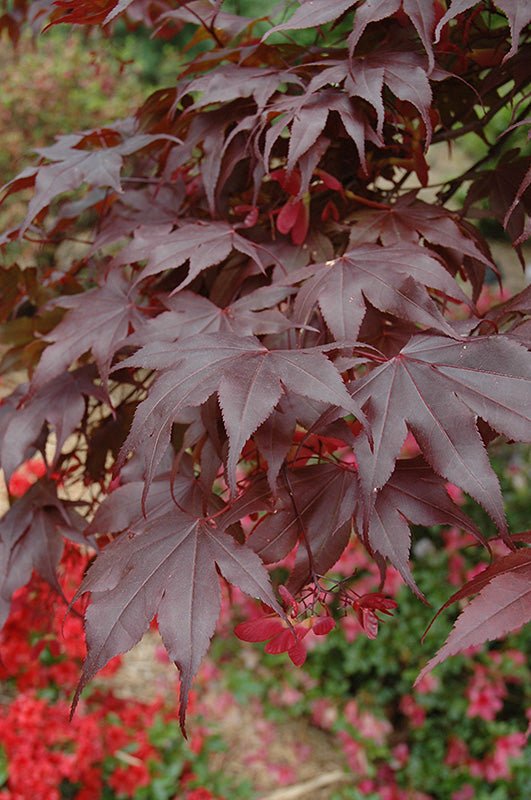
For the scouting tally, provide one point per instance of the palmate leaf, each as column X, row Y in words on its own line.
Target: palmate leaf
column 312, row 13
column 502, row 605
column 420, row 12
column 189, row 314
column 414, row 495
column 437, row 388
column 307, row 114
column 392, row 279
column 248, row 378
column 203, row 244
column 365, row 77
column 31, row 538
column 518, row 12
column 314, row 509
column 60, row 403
column 165, row 566
column 411, row 220
column 102, row 328
column 75, row 161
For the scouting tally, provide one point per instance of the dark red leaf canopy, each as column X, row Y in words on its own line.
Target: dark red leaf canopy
column 260, row 309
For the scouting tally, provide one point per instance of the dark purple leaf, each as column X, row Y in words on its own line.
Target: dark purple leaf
column 502, row 605
column 436, row 387
column 165, row 566
column 390, row 278
column 31, row 538
column 248, row 378
column 413, row 495
column 102, row 327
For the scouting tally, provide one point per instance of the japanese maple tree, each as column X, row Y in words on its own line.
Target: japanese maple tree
column 261, row 302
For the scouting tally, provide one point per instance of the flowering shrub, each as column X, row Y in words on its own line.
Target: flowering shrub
column 113, row 748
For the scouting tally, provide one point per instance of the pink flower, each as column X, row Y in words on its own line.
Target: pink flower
column 466, row 792
column 354, row 752
column 412, row 710
column 485, row 695
column 457, row 753
column 401, row 754
column 428, row 683
column 324, row 714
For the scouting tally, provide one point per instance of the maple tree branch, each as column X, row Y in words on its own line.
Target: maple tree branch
column 492, row 152
column 209, row 28
column 470, row 127
column 315, row 577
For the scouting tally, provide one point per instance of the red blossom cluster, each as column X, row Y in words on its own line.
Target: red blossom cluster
column 107, row 744
column 41, row 645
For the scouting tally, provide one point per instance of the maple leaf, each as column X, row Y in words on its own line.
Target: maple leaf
column 189, row 314
column 248, row 378
column 366, row 607
column 414, row 495
column 314, row 509
column 390, row 278
column 365, row 76
column 312, row 13
column 122, row 509
column 72, row 165
column 436, row 387
column 318, row 12
column 102, row 328
column 165, row 567
column 31, row 538
column 202, row 244
column 59, row 403
column 420, row 12
column 502, row 605
column 211, row 17
column 307, row 115
column 518, row 12
column 411, row 220
column 497, row 186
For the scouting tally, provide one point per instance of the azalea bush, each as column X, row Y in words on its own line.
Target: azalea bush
column 241, row 330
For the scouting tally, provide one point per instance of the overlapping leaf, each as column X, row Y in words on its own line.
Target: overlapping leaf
column 189, row 314
column 411, row 220
column 391, row 278
column 102, row 328
column 60, row 403
column 437, row 388
column 502, row 605
column 31, row 538
column 312, row 13
column 307, row 114
column 365, row 77
column 413, row 495
column 202, row 244
column 71, row 166
column 313, row 510
column 165, row 566
column 248, row 378
column 518, row 12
